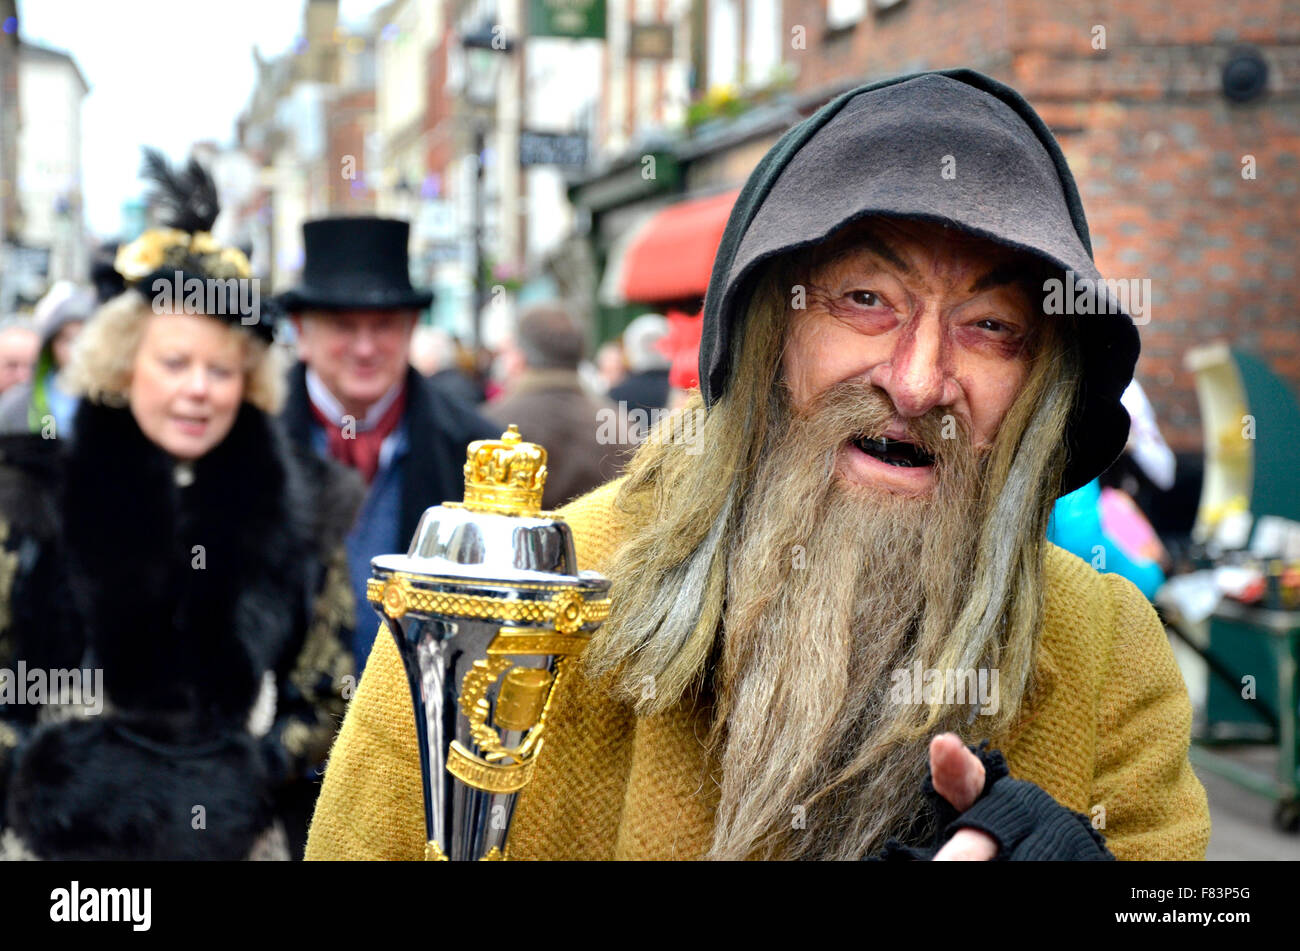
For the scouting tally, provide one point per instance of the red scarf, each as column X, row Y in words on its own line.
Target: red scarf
column 360, row 448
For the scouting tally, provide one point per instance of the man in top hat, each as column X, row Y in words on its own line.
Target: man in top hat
column 355, row 396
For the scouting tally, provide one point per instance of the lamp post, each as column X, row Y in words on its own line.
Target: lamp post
column 482, row 66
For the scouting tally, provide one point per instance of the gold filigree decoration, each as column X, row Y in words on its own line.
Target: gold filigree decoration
column 566, row 610
column 505, row 475
column 476, row 773
column 487, row 770
column 324, row 658
column 525, row 643
column 476, row 707
column 394, row 599
column 8, row 572
column 433, row 853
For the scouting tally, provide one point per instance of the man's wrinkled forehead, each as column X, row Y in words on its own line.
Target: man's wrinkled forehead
column 921, row 251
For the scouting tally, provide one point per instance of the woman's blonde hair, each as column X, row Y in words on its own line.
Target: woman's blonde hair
column 103, row 357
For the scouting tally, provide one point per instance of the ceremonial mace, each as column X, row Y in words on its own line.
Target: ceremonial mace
column 487, row 607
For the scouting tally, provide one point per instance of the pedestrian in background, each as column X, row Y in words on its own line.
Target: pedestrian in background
column 355, row 396
column 19, row 345
column 544, row 396
column 439, row 356
column 646, row 385
column 41, row 404
column 609, row 368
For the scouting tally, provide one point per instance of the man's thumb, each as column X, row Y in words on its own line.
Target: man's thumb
column 957, row 773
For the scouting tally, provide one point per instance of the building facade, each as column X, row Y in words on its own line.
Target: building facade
column 1181, row 124
column 10, row 116
column 51, row 91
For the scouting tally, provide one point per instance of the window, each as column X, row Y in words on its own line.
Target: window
column 724, row 42
column 762, row 40
column 844, row 13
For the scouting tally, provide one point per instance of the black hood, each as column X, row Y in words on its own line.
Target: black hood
column 879, row 150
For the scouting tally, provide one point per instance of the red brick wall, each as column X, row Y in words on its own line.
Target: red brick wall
column 1158, row 157
column 348, row 122
column 918, row 34
column 439, row 117
column 10, row 121
column 1155, row 146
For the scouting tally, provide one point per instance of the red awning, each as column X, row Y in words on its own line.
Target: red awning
column 671, row 256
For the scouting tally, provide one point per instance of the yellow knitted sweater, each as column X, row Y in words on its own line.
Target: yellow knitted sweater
column 1109, row 729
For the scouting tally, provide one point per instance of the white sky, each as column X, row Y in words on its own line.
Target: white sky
column 164, row 73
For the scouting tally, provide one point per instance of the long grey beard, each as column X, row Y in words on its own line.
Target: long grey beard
column 830, row 590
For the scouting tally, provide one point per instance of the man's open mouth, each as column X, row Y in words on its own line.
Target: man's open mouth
column 895, row 452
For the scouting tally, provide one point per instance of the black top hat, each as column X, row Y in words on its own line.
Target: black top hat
column 355, row 263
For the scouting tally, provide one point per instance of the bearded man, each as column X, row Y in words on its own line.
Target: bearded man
column 858, row 519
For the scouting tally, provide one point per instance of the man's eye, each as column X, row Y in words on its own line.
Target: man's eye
column 997, row 326
column 866, row 298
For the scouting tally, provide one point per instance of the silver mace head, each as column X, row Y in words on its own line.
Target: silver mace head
column 486, row 607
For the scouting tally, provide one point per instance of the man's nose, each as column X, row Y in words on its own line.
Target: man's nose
column 916, row 377
column 363, row 344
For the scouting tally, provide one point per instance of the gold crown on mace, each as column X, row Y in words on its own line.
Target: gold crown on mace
column 505, row 475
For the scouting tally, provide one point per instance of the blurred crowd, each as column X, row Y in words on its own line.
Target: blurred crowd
column 542, row 377
column 190, row 497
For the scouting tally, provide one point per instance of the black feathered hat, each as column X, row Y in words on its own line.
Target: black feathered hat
column 355, row 263
column 103, row 274
column 181, row 262
column 878, row 150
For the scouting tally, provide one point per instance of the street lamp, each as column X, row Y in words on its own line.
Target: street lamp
column 482, row 67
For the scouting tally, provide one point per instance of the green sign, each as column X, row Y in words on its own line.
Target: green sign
column 577, row 19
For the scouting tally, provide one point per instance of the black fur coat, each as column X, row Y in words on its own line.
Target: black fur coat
column 195, row 600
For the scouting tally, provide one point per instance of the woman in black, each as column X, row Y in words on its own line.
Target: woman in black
column 178, row 551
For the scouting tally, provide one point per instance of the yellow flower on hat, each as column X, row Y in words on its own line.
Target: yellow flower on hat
column 158, row 246
column 201, row 242
column 235, row 260
column 147, row 253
